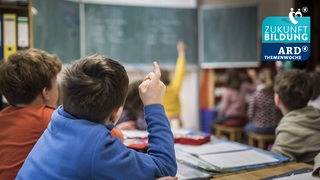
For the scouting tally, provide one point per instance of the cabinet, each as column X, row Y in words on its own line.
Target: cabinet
column 21, row 12
column 16, row 26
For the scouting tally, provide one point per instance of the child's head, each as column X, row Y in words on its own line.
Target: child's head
column 94, row 88
column 315, row 76
column 28, row 73
column 233, row 79
column 294, row 88
column 165, row 77
column 265, row 77
column 133, row 102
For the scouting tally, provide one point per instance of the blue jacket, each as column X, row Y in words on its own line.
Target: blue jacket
column 73, row 148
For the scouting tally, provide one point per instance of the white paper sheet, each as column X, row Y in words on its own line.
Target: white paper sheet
column 237, row 159
column 212, row 148
column 134, row 133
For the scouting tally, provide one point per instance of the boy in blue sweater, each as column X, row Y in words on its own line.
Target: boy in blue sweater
column 78, row 143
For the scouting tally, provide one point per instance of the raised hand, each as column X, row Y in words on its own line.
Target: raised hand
column 152, row 90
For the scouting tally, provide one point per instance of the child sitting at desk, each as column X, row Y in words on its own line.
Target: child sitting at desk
column 28, row 81
column 297, row 135
column 132, row 116
column 77, row 143
column 232, row 110
column 171, row 100
column 263, row 114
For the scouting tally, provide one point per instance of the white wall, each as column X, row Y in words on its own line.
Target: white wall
column 190, row 100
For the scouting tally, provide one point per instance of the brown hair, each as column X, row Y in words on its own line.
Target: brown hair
column 26, row 73
column 294, row 88
column 133, row 102
column 165, row 76
column 233, row 79
column 93, row 87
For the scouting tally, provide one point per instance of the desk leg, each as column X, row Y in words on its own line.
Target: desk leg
column 218, row 133
column 251, row 141
column 233, row 137
column 262, row 144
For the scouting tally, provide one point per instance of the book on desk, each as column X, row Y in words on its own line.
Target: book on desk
column 137, row 139
column 211, row 157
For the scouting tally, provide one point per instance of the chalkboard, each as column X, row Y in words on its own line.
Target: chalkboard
column 228, row 36
column 140, row 35
column 56, row 28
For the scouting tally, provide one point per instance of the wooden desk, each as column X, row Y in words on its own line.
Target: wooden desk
column 263, row 172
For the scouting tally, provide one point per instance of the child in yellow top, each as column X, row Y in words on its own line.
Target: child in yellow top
column 171, row 100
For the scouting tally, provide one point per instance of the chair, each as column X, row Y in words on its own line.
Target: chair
column 261, row 139
column 234, row 132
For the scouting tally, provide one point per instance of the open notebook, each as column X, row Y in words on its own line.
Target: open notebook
column 226, row 156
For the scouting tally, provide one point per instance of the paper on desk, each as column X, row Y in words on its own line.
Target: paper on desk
column 134, row 133
column 187, row 172
column 298, row 177
column 237, row 159
column 213, row 148
column 193, row 160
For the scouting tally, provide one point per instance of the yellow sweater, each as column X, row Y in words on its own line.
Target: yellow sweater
column 171, row 100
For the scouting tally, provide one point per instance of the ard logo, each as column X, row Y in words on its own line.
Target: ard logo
column 286, row 38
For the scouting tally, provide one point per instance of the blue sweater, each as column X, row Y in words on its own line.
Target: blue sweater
column 73, row 148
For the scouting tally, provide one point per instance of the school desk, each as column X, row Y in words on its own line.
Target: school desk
column 264, row 172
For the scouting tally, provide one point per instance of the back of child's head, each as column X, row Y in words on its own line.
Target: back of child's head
column 265, row 77
column 233, row 79
column 26, row 73
column 315, row 76
column 165, row 76
column 93, row 87
column 133, row 102
column 294, row 88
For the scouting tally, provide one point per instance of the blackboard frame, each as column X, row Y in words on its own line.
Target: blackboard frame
column 225, row 63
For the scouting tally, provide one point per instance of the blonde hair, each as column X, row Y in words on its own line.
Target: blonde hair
column 265, row 77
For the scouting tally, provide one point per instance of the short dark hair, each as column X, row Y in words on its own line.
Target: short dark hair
column 133, row 103
column 233, row 79
column 26, row 73
column 294, row 88
column 93, row 87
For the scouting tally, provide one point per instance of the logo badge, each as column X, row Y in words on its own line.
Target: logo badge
column 286, row 38
column 293, row 14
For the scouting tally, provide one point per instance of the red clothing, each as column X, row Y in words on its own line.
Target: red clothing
column 115, row 132
column 20, row 128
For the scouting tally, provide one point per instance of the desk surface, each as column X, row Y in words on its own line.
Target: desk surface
column 263, row 172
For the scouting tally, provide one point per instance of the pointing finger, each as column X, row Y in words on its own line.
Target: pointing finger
column 156, row 70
